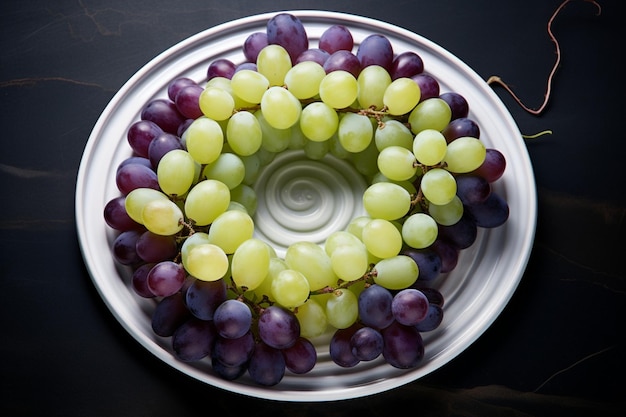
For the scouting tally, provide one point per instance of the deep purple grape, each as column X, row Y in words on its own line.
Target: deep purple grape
column 375, row 307
column 492, row 213
column 178, row 84
column 166, row 278
column 247, row 65
column 204, row 297
column 493, row 167
column 116, row 216
column 340, row 349
column 267, row 365
column 458, row 104
column 461, row 127
column 343, row 60
column 234, row 352
column 194, row 340
column 428, row 262
column 448, row 253
column 278, row 327
column 169, row 314
column 336, row 38
column 162, row 145
column 229, row 373
column 433, row 319
column 403, row 346
column 221, row 67
column 433, row 295
column 183, row 127
column 429, row 86
column 253, row 45
column 140, row 134
column 375, row 49
column 301, row 357
column 232, row 319
column 462, row 234
column 133, row 176
column 313, row 54
column 188, row 102
column 140, row 160
column 156, row 248
column 366, row 344
column 139, row 281
column 164, row 114
column 406, row 65
column 409, row 306
column 124, row 247
column 472, row 189
column 287, row 30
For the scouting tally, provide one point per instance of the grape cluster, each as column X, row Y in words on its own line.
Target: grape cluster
column 185, row 215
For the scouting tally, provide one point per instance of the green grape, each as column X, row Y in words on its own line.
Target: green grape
column 230, row 229
column 355, row 132
column 312, row 261
column 290, row 288
column 249, row 85
column 252, row 168
column 246, row 196
column 438, row 186
column 465, row 154
column 250, row 263
column 373, row 80
column 316, row 150
column 365, row 162
column 176, row 172
column 382, row 238
column 234, row 205
column 162, row 217
column 274, row 140
column 264, row 289
column 393, row 133
column 386, row 200
column 397, row 163
column 190, row 242
column 225, row 84
column 340, row 238
column 312, row 318
column 430, row 147
column 207, row 200
column 337, row 149
column 396, row 273
column 401, row 96
column 319, row 121
column 244, row 134
column 297, row 140
column 356, row 225
column 137, row 199
column 216, row 103
column 265, row 156
column 207, row 262
column 204, row 140
column 433, row 113
column 274, row 62
column 342, row 309
column 419, row 231
column 304, row 78
column 350, row 262
column 227, row 168
column 280, row 108
column 407, row 184
column 339, row 89
column 447, row 214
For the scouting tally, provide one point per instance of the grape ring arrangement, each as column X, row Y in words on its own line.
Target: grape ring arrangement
column 184, row 217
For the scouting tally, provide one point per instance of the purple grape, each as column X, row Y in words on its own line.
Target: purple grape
column 169, row 314
column 448, row 253
column 140, row 134
column 116, row 217
column 375, row 49
column 253, row 45
column 433, row 295
column 232, row 319
column 428, row 262
column 472, row 189
column 229, row 373
column 462, row 234
column 375, row 307
column 162, row 145
column 204, row 297
column 194, row 340
column 493, row 167
column 133, row 176
column 461, row 127
column 183, row 127
column 429, row 86
column 403, row 346
column 124, row 247
column 164, row 114
column 493, row 212
column 178, row 84
column 156, row 248
column 267, row 365
column 409, row 306
column 187, row 102
column 166, row 278
column 336, row 38
column 458, row 104
column 343, row 60
column 221, row 67
column 246, row 65
column 366, row 344
column 140, row 160
column 301, row 357
column 278, row 327
column 234, row 352
column 287, row 30
column 406, row 65
column 139, row 281
column 433, row 319
column 339, row 348
column 316, row 55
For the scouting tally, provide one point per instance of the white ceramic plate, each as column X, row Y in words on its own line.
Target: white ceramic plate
column 476, row 291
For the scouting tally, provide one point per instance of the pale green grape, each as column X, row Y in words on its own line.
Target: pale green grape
column 250, row 263
column 340, row 238
column 438, row 186
column 465, row 154
column 216, row 103
column 137, row 199
column 382, row 238
column 342, row 308
column 396, row 273
column 225, row 84
column 356, row 225
column 274, row 62
column 373, row 80
column 162, row 217
column 252, row 167
column 207, row 200
column 312, row 318
column 407, row 184
column 350, row 262
column 430, row 147
column 393, row 133
column 265, row 287
column 312, row 261
column 265, row 156
column 246, row 196
column 397, row 163
column 190, row 242
column 204, row 140
column 249, row 85
column 297, row 140
column 230, row 229
column 365, row 162
column 274, row 140
column 280, row 108
column 244, row 134
column 355, row 132
column 207, row 262
column 433, row 113
column 227, row 168
column 386, row 200
column 419, row 230
column 316, row 150
column 401, row 96
column 319, row 121
column 339, row 89
column 234, row 205
column 447, row 214
column 176, row 172
column 337, row 149
column 290, row 288
column 304, row 78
